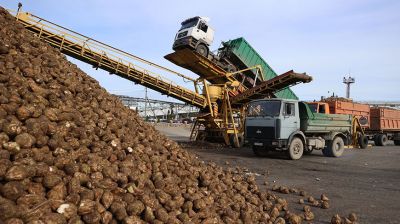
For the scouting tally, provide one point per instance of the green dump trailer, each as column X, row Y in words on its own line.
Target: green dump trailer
column 243, row 55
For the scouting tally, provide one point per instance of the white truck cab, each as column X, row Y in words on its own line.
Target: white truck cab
column 196, row 34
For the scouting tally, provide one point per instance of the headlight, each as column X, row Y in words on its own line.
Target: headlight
column 180, row 35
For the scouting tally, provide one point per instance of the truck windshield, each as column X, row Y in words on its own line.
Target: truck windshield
column 189, row 23
column 264, row 108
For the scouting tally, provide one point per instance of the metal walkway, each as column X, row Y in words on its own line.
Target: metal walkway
column 108, row 58
column 200, row 65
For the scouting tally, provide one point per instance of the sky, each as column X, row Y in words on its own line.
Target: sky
column 327, row 39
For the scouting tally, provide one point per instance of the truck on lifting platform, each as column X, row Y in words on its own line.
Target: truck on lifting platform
column 290, row 126
column 235, row 56
column 196, row 34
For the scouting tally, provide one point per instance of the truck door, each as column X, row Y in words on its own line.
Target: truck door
column 291, row 121
column 202, row 28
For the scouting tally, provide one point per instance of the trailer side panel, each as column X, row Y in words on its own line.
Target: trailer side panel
column 361, row 111
column 385, row 119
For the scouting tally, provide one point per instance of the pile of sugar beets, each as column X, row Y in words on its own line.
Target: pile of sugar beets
column 72, row 153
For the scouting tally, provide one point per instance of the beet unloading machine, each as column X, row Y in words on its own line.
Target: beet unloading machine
column 221, row 96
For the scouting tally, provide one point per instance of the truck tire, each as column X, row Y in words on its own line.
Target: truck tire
column 363, row 141
column 335, row 148
column 296, row 149
column 376, row 140
column 202, row 50
column 396, row 142
column 240, row 138
column 381, row 140
column 201, row 136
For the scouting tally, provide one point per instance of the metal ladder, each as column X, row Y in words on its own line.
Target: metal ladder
column 195, row 130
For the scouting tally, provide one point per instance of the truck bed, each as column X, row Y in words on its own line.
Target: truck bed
column 361, row 111
column 323, row 123
column 385, row 119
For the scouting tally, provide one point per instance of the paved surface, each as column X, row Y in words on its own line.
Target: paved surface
column 177, row 132
column 366, row 182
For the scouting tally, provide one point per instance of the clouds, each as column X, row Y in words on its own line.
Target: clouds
column 326, row 39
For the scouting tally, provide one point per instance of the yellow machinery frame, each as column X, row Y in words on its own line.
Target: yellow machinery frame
column 357, row 131
column 122, row 64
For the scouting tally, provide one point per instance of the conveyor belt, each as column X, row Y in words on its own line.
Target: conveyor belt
column 269, row 87
column 108, row 58
column 122, row 64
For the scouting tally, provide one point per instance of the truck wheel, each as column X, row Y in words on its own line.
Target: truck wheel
column 240, row 138
column 296, row 149
column 202, row 50
column 376, row 140
column 336, row 147
column 363, row 141
column 201, row 136
column 396, row 142
column 381, row 140
column 260, row 151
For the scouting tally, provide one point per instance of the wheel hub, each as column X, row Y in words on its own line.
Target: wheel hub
column 337, row 147
column 296, row 149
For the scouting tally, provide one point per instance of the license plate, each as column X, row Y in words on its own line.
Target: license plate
column 258, row 144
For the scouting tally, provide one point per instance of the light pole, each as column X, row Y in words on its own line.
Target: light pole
column 348, row 82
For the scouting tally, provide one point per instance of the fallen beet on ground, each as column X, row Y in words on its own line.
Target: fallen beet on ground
column 72, row 153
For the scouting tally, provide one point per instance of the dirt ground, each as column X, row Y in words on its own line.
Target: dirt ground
column 366, row 182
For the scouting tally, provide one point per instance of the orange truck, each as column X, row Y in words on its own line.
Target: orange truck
column 385, row 125
column 380, row 124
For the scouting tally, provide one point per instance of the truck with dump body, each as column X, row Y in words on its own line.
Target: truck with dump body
column 241, row 54
column 385, row 125
column 291, row 126
column 339, row 105
column 234, row 55
column 380, row 124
